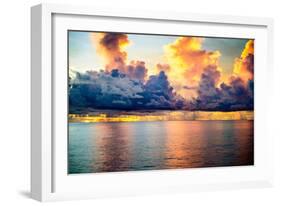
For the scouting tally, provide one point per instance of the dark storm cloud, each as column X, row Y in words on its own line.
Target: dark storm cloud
column 137, row 70
column 249, row 61
column 237, row 95
column 129, row 91
column 116, row 90
column 112, row 90
column 159, row 94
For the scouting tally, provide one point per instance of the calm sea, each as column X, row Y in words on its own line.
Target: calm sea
column 130, row 146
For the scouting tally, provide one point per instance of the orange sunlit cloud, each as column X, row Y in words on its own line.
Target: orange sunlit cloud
column 187, row 62
column 112, row 49
column 243, row 66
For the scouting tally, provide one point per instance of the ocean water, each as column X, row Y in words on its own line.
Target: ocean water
column 134, row 146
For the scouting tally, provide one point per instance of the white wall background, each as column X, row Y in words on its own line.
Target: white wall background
column 15, row 95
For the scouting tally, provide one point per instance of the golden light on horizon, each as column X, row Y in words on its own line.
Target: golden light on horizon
column 168, row 116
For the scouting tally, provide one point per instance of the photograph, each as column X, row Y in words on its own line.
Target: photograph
column 140, row 101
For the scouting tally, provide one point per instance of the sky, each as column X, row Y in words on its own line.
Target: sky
column 144, row 71
column 149, row 48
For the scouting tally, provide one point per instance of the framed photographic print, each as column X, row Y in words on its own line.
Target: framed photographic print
column 134, row 102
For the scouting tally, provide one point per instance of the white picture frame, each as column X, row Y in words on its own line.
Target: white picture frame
column 49, row 179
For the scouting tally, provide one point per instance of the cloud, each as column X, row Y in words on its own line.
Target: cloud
column 236, row 95
column 136, row 70
column 104, row 90
column 207, row 91
column 187, row 60
column 244, row 65
column 159, row 92
column 116, row 90
column 111, row 47
column 163, row 67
